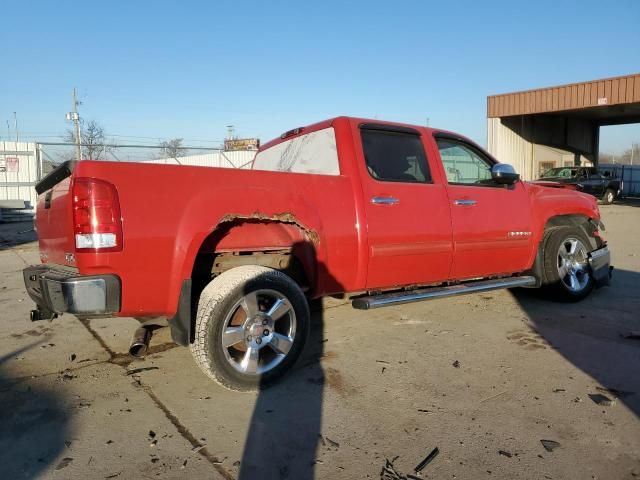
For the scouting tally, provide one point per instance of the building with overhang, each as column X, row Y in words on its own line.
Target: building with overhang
column 538, row 129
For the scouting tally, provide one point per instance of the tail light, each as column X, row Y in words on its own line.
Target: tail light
column 97, row 223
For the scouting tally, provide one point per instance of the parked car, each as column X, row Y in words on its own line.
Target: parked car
column 386, row 213
column 587, row 180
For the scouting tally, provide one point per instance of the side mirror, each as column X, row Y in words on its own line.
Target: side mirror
column 504, row 174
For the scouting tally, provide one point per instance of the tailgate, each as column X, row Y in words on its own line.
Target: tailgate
column 54, row 222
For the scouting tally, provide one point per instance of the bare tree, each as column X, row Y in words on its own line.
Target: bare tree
column 92, row 139
column 173, row 149
column 630, row 156
column 606, row 157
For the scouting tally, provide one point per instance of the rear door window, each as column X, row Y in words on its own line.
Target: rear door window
column 313, row 152
column 395, row 156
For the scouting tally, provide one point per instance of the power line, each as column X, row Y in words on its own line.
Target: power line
column 31, row 134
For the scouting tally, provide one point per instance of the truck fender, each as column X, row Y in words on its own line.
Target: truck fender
column 210, row 211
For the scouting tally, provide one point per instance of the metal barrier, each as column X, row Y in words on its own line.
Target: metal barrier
column 23, row 164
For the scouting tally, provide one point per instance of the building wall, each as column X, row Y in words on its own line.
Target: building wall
column 20, row 170
column 509, row 147
column 549, row 157
column 596, row 93
column 524, row 142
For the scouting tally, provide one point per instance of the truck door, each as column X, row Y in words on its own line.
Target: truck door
column 407, row 211
column 592, row 182
column 491, row 222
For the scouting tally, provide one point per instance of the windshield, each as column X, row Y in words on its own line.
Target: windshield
column 559, row 172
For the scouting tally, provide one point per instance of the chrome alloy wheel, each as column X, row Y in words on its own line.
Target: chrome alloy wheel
column 573, row 265
column 609, row 196
column 258, row 332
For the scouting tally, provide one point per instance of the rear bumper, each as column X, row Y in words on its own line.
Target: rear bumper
column 600, row 263
column 59, row 290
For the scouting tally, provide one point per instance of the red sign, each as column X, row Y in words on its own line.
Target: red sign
column 13, row 164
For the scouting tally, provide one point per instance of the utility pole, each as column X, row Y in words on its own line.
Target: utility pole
column 76, row 121
column 633, row 147
column 15, row 125
column 73, row 115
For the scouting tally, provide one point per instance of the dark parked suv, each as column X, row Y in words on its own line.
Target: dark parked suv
column 587, row 180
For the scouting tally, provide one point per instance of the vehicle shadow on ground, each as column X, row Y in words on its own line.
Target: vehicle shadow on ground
column 286, row 425
column 18, row 233
column 591, row 335
column 34, row 425
column 626, row 201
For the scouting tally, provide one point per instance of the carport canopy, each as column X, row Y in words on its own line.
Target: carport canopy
column 567, row 117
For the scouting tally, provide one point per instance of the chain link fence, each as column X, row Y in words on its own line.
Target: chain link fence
column 58, row 152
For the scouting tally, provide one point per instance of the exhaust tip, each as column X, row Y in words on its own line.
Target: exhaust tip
column 140, row 342
column 138, row 350
column 42, row 314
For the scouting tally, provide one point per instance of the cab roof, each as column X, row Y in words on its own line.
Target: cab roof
column 359, row 120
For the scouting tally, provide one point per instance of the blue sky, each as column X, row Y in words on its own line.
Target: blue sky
column 188, row 69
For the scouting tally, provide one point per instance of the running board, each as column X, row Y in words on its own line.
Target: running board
column 398, row 298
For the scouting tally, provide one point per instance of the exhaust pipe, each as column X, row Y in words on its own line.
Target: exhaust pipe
column 42, row 314
column 140, row 342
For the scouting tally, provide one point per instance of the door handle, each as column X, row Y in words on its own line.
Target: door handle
column 385, row 201
column 465, row 203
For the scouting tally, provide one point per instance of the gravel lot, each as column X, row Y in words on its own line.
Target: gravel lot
column 484, row 378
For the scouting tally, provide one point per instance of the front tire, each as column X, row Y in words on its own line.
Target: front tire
column 251, row 325
column 566, row 263
column 609, row 196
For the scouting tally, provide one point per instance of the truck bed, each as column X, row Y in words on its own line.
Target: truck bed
column 168, row 212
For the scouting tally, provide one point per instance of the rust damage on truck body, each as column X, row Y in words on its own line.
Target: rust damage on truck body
column 286, row 217
column 280, row 241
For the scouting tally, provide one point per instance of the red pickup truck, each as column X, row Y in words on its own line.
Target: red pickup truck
column 388, row 213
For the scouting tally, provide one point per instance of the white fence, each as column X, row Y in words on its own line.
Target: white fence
column 219, row 158
column 23, row 164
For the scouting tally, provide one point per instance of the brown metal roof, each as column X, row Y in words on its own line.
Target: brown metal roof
column 575, row 96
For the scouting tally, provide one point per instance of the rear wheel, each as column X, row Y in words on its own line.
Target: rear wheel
column 251, row 326
column 609, row 196
column 566, row 263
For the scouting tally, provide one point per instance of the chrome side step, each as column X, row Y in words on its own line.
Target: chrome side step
column 398, row 298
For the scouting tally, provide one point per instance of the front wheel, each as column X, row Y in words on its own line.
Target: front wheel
column 609, row 196
column 566, row 263
column 251, row 326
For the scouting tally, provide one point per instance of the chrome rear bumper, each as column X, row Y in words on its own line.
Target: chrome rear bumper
column 61, row 290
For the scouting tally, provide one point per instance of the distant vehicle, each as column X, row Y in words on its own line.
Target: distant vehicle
column 587, row 180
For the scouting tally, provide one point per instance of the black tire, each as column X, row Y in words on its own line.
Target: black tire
column 577, row 283
column 609, row 196
column 225, row 301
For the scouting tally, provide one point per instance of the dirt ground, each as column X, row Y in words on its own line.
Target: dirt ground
column 485, row 378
